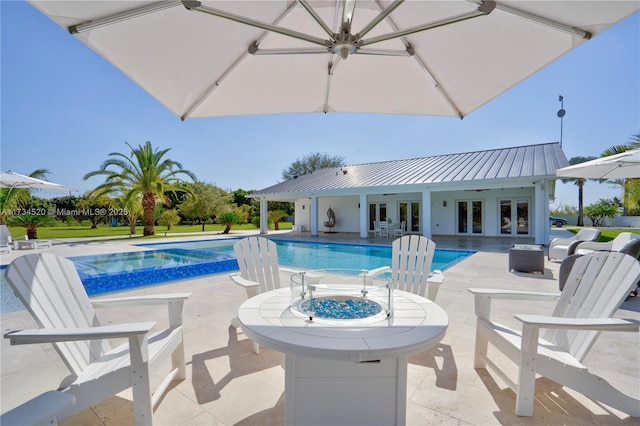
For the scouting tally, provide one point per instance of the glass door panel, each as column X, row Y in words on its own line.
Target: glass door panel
column 462, row 217
column 476, row 211
column 470, row 212
column 523, row 217
column 505, row 217
column 373, row 217
column 415, row 218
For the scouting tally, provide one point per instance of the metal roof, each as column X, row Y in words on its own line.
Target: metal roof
column 539, row 161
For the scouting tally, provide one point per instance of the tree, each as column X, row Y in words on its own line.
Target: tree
column 169, row 218
column 15, row 198
column 132, row 210
column 600, row 210
column 31, row 222
column 96, row 208
column 145, row 171
column 66, row 207
column 580, row 183
column 275, row 216
column 310, row 163
column 630, row 186
column 227, row 219
column 204, row 202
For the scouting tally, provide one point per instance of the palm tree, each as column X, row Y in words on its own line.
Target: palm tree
column 228, row 220
column 31, row 222
column 580, row 183
column 145, row 171
column 12, row 198
column 630, row 186
column 275, row 216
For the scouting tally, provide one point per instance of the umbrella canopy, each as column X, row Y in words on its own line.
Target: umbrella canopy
column 218, row 58
column 618, row 166
column 16, row 180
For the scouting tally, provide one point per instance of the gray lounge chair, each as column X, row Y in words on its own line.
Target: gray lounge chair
column 559, row 248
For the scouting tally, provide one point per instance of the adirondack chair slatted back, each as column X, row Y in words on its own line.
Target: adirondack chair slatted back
column 50, row 288
column 411, row 263
column 596, row 287
column 5, row 235
column 258, row 261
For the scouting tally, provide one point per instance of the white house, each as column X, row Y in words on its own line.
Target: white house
column 500, row 193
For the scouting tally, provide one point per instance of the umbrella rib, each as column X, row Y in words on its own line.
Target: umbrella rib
column 316, row 17
column 123, row 16
column 198, row 7
column 540, row 20
column 423, row 65
column 235, row 63
column 485, row 9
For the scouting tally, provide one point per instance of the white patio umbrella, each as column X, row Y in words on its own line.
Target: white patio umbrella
column 218, row 58
column 618, row 166
column 16, row 180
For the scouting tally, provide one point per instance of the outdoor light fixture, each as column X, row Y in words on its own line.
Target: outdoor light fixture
column 444, row 203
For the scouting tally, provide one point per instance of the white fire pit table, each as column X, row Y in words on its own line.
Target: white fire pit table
column 351, row 371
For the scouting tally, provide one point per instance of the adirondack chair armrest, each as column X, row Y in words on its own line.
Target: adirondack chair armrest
column 512, row 294
column 247, row 284
column 52, row 335
column 289, row 270
column 152, row 299
column 604, row 324
column 378, row 271
column 436, row 277
column 483, row 297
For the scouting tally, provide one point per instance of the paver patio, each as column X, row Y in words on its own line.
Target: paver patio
column 228, row 384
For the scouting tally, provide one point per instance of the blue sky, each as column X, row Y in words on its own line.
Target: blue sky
column 64, row 108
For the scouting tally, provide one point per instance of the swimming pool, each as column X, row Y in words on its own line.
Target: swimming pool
column 163, row 262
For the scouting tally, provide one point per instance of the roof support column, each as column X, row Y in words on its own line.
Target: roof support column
column 264, row 216
column 426, row 212
column 364, row 225
column 314, row 216
column 541, row 212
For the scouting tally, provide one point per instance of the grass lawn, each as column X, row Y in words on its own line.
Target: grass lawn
column 81, row 231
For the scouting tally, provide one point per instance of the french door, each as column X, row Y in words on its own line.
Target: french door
column 469, row 217
column 515, row 216
column 409, row 212
column 377, row 212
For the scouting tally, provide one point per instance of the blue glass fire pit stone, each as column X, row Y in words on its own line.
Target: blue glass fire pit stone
column 339, row 307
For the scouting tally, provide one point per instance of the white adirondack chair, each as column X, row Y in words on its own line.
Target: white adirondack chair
column 259, row 269
column 50, row 288
column 597, row 286
column 39, row 411
column 411, row 258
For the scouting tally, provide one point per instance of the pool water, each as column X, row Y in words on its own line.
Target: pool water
column 165, row 262
column 311, row 255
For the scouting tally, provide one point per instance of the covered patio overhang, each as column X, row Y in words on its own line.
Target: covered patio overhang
column 310, row 203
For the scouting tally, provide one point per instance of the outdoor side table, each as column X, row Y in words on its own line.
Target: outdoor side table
column 526, row 258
